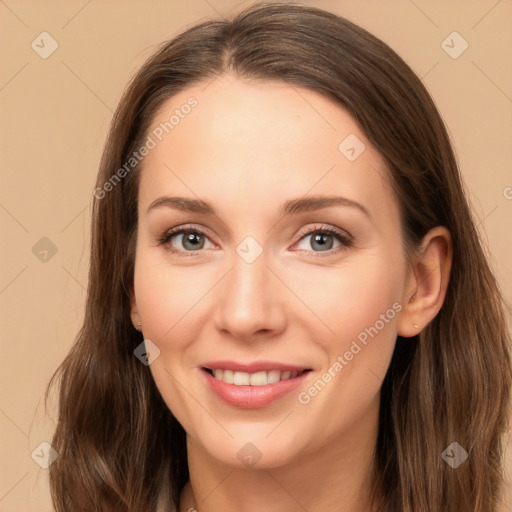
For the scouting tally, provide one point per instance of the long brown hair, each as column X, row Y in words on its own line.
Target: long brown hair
column 119, row 446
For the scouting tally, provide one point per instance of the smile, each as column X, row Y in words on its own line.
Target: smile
column 253, row 379
column 253, row 385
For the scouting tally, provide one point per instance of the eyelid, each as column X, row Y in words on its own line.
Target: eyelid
column 325, row 228
column 183, row 227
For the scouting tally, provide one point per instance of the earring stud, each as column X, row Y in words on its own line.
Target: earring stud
column 416, row 326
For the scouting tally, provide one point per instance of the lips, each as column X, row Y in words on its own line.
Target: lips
column 253, row 367
column 252, row 385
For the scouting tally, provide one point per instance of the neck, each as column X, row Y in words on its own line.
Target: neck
column 337, row 477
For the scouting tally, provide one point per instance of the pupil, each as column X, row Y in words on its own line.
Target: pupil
column 318, row 238
column 192, row 239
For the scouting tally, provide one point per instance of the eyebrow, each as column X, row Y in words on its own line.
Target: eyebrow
column 290, row 207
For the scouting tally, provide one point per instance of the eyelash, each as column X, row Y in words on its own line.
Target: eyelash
column 345, row 240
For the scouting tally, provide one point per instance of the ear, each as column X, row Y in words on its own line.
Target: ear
column 134, row 313
column 427, row 282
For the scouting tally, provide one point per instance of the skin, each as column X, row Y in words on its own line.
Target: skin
column 246, row 148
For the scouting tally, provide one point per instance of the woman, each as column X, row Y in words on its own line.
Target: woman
column 289, row 307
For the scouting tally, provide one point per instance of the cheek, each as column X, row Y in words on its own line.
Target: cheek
column 165, row 301
column 352, row 297
column 361, row 305
column 166, row 296
column 358, row 304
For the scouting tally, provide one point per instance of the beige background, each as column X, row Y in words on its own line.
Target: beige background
column 55, row 114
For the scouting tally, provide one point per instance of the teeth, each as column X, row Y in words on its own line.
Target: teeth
column 253, row 379
column 241, row 379
column 228, row 376
column 273, row 376
column 258, row 379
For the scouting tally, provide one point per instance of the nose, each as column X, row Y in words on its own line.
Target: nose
column 250, row 301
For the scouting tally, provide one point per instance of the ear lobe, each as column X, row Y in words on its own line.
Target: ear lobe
column 134, row 313
column 428, row 280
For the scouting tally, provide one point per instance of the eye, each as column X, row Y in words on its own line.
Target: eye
column 192, row 239
column 322, row 240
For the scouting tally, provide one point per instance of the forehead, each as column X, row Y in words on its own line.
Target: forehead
column 259, row 143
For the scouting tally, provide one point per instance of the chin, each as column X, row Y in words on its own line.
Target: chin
column 254, row 450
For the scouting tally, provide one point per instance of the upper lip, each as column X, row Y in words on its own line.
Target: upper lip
column 253, row 367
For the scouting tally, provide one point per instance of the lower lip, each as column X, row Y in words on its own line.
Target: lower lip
column 252, row 397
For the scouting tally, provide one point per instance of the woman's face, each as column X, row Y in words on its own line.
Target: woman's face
column 263, row 289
